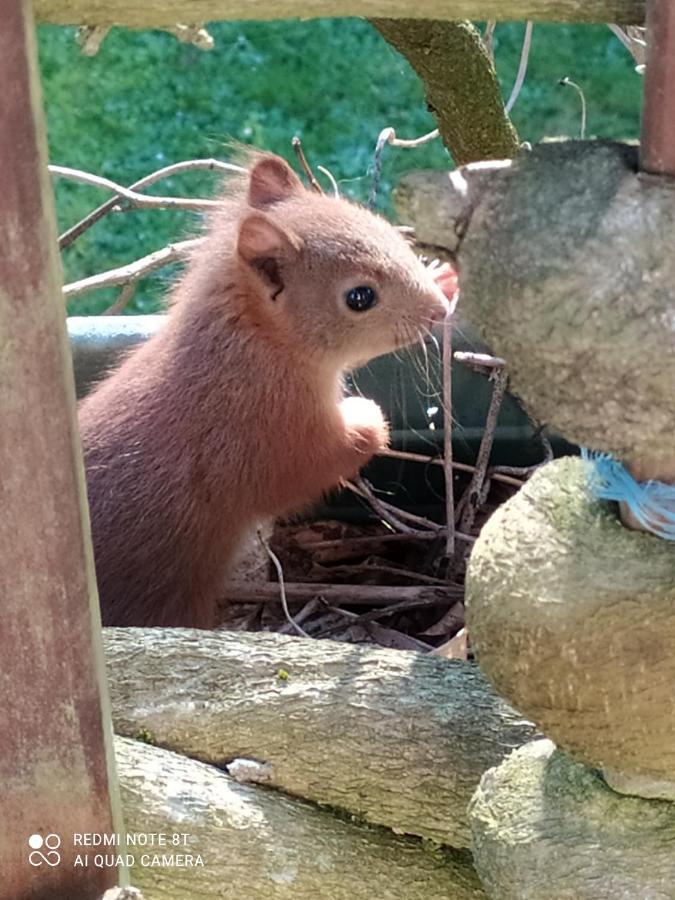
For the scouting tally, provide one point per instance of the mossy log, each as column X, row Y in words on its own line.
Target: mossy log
column 567, row 269
column 460, row 84
column 397, row 738
column 158, row 13
column 256, row 844
column 547, row 828
column 572, row 617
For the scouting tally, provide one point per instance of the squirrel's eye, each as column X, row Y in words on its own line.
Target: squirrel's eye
column 361, row 298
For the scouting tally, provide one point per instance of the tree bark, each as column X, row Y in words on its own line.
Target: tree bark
column 158, row 13
column 547, row 828
column 396, row 738
column 573, row 620
column 567, row 270
column 259, row 845
column 460, row 83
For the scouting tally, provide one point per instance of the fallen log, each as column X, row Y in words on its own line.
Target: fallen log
column 396, row 738
column 240, row 842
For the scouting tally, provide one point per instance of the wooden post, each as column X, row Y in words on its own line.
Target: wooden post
column 657, row 145
column 55, row 736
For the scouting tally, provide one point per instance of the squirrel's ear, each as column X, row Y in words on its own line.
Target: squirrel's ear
column 262, row 245
column 272, row 180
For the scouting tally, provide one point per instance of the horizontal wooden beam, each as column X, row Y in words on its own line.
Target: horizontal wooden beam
column 158, row 13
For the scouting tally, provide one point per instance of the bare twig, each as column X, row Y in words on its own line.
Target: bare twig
column 480, row 360
column 351, row 594
column 567, row 82
column 281, row 587
column 371, row 568
column 382, row 139
column 633, row 39
column 488, row 38
column 388, row 136
column 447, row 439
column 352, row 548
column 388, row 513
column 438, row 461
column 67, row 238
column 374, row 614
column 525, row 471
column 475, row 490
column 133, row 271
column 329, row 175
column 138, row 201
column 302, row 159
column 123, row 299
column 522, row 68
column 411, row 143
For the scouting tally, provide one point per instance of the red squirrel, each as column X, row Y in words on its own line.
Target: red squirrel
column 234, row 412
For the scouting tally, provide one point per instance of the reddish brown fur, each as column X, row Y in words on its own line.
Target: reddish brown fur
column 234, row 412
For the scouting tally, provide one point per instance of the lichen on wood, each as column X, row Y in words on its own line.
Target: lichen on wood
column 460, row 83
column 547, row 828
column 572, row 616
column 257, row 844
column 397, row 738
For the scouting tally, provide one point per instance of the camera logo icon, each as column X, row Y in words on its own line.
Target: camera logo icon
column 44, row 849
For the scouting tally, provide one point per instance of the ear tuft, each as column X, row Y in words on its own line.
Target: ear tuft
column 272, row 180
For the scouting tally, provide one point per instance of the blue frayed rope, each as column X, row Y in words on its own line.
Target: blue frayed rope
column 651, row 502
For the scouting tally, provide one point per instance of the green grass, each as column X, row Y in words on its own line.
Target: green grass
column 146, row 100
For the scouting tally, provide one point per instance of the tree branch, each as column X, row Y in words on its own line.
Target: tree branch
column 161, row 13
column 460, row 83
column 133, row 271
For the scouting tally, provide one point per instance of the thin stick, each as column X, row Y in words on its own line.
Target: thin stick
column 488, row 38
column 525, row 471
column 138, row 201
column 480, row 360
column 132, row 271
column 329, row 175
column 281, row 587
column 366, row 568
column 123, row 299
column 438, row 461
column 522, row 68
column 383, row 138
column 474, row 491
column 447, row 439
column 633, row 40
column 411, row 143
column 388, row 136
column 351, row 594
column 365, row 490
column 384, row 510
column 302, row 159
column 67, row 238
column 350, row 548
column 567, row 82
column 374, row 614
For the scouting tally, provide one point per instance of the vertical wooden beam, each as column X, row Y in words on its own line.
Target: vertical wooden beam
column 657, row 144
column 55, row 740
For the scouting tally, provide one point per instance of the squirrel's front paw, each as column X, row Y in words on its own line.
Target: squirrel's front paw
column 365, row 424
